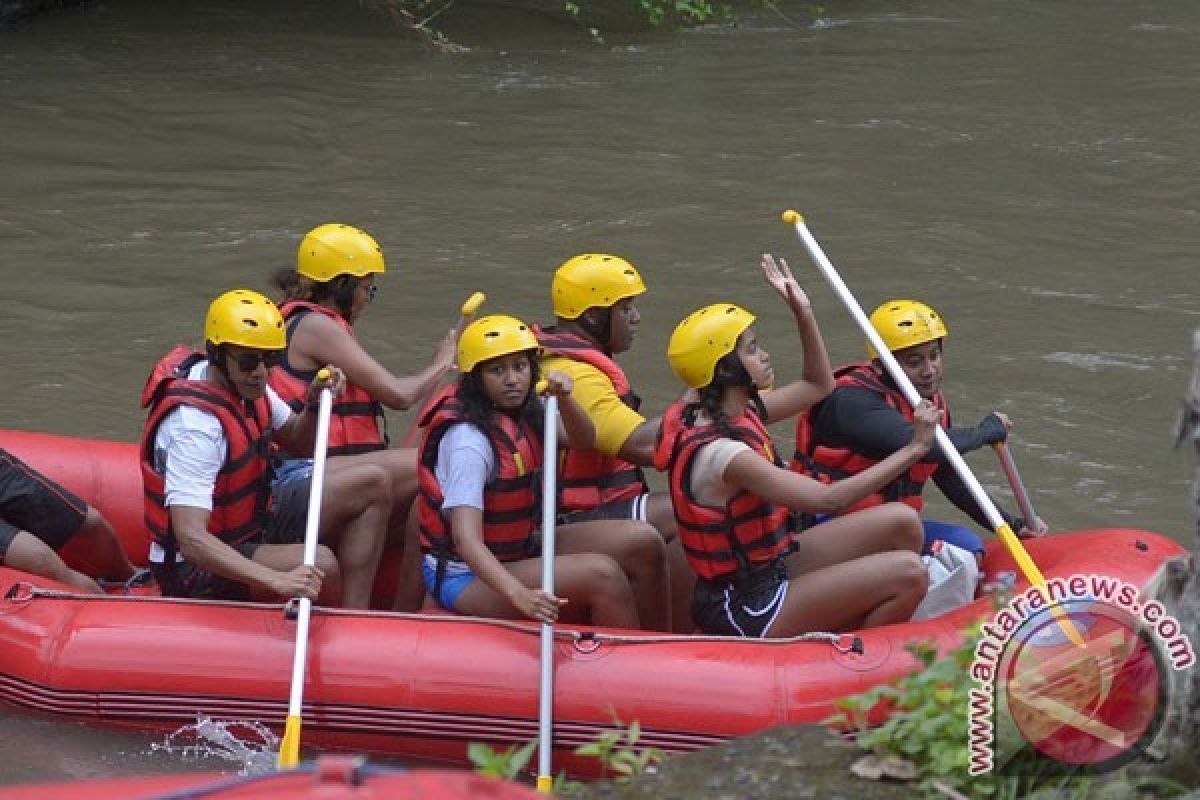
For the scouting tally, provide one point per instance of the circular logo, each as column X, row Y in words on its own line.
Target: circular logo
column 1094, row 705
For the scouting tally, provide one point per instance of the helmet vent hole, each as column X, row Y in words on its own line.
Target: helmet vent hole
column 249, row 323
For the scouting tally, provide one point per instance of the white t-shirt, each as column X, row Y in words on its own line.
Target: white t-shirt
column 465, row 462
column 190, row 448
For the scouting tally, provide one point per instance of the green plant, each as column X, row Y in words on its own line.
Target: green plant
column 618, row 752
column 500, row 764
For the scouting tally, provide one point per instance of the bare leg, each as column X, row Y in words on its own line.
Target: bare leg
column 638, row 549
column 591, row 580
column 879, row 529
column 284, row 557
column 355, row 507
column 410, row 586
column 30, row 554
column 401, row 467
column 878, row 589
column 681, row 577
column 97, row 538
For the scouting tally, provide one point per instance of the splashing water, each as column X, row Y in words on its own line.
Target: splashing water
column 247, row 743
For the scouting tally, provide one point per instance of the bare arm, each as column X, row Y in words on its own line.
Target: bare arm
column 639, row 447
column 751, row 472
column 299, row 433
column 319, row 340
column 467, row 524
column 817, row 379
column 575, row 426
column 201, row 548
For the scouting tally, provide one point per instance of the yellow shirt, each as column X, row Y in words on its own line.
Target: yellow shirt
column 596, row 394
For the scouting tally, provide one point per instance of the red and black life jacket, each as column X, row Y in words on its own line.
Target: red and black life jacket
column 589, row 478
column 748, row 532
column 511, row 496
column 242, row 488
column 355, row 426
column 827, row 464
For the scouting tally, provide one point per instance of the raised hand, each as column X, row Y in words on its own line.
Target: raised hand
column 444, row 355
column 779, row 276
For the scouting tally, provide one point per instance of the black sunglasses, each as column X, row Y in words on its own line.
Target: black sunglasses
column 248, row 361
column 372, row 290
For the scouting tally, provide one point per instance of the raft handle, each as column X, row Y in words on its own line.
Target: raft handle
column 856, row 645
column 1141, row 546
column 587, row 642
column 20, row 592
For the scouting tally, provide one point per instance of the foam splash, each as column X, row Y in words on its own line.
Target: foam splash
column 247, row 743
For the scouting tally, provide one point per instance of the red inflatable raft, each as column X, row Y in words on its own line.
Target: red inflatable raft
column 428, row 685
column 331, row 778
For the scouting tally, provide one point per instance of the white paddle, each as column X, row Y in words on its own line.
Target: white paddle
column 545, row 779
column 1002, row 529
column 289, row 746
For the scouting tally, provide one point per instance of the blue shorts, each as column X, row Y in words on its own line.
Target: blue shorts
column 456, row 578
column 293, row 469
column 956, row 535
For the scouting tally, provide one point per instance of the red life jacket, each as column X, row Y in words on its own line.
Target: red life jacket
column 241, row 492
column 354, row 426
column 827, row 464
column 589, row 478
column 749, row 532
column 510, row 497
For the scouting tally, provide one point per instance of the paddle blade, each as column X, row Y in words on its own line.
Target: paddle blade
column 289, row 746
column 1035, row 578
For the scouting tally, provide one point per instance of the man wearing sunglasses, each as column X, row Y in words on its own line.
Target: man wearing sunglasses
column 219, row 532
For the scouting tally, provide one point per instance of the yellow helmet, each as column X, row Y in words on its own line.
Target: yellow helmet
column 905, row 323
column 245, row 318
column 335, row 249
column 491, row 337
column 704, row 338
column 591, row 280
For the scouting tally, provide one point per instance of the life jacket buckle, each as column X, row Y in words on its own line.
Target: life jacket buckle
column 291, row 610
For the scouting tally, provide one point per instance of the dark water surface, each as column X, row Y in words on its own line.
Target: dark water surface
column 1027, row 168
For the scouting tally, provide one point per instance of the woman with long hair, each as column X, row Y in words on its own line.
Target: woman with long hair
column 735, row 501
column 480, row 498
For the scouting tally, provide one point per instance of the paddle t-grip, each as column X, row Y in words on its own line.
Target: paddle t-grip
column 472, row 304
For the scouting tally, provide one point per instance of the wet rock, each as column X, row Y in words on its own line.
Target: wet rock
column 791, row 762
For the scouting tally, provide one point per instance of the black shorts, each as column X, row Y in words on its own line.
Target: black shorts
column 634, row 508
column 285, row 525
column 745, row 606
column 31, row 502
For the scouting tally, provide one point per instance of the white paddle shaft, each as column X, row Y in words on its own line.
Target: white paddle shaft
column 546, row 688
column 311, row 527
column 893, row 367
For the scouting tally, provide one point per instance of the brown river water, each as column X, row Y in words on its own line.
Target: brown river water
column 1027, row 168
